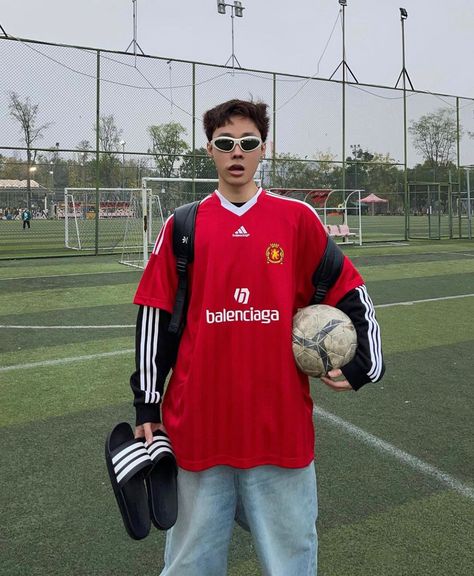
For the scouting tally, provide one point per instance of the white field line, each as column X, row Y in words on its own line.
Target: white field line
column 410, row 303
column 103, row 327
column 65, row 360
column 404, row 457
column 370, row 439
column 470, row 255
column 66, row 275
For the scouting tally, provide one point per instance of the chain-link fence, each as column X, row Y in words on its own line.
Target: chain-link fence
column 83, row 118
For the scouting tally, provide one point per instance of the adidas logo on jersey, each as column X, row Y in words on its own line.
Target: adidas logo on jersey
column 241, row 233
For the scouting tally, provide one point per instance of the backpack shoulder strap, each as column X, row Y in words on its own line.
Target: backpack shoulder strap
column 183, row 248
column 328, row 271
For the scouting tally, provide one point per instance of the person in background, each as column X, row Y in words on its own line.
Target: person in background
column 26, row 218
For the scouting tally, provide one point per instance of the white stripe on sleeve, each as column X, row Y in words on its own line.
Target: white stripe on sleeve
column 148, row 351
column 373, row 336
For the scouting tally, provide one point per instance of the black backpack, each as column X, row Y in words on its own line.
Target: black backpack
column 183, row 247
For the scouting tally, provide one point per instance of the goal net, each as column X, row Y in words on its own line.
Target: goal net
column 81, row 229
column 149, row 209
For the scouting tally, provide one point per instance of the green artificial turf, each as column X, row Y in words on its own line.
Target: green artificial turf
column 380, row 514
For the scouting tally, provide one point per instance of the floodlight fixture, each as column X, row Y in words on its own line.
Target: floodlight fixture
column 236, row 10
column 403, row 74
column 343, row 2
column 239, row 9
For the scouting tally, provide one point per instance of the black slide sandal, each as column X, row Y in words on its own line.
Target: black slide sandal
column 128, row 463
column 161, row 482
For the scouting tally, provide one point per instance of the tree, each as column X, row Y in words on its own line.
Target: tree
column 327, row 173
column 109, row 142
column 167, row 147
column 26, row 114
column 435, row 136
column 84, row 149
column 197, row 164
column 78, row 172
column 12, row 168
column 293, row 172
column 357, row 167
column 109, row 134
column 375, row 173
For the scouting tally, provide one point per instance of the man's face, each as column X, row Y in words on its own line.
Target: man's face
column 236, row 168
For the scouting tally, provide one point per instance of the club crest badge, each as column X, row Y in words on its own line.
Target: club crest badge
column 274, row 254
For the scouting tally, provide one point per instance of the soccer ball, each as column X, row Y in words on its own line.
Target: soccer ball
column 323, row 338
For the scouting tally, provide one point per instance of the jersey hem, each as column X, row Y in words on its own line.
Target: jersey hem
column 153, row 303
column 199, row 466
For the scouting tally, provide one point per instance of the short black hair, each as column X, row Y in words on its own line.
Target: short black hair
column 221, row 114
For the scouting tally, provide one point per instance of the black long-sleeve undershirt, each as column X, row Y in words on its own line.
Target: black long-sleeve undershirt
column 155, row 355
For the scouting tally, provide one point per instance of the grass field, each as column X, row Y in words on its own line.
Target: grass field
column 395, row 461
column 46, row 237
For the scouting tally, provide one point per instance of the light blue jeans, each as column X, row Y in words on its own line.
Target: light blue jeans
column 279, row 505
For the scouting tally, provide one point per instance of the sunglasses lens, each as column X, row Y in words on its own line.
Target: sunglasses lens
column 249, row 144
column 224, row 144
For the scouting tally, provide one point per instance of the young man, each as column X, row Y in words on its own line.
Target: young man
column 237, row 409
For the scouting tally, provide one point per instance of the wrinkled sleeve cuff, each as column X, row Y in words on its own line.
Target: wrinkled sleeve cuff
column 148, row 413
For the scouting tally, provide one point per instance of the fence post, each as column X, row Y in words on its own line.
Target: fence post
column 97, row 155
column 405, row 164
column 274, row 130
column 194, row 131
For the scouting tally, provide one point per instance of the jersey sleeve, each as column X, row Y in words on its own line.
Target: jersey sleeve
column 158, row 285
column 155, row 347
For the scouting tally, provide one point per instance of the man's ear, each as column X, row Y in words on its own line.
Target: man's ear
column 264, row 149
column 209, row 149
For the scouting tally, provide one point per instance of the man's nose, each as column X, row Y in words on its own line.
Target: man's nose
column 237, row 151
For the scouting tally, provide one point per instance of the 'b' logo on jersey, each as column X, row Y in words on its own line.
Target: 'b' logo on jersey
column 242, row 295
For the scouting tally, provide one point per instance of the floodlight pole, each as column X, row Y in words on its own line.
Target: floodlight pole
column 404, row 76
column 345, row 68
column 134, row 42
column 236, row 9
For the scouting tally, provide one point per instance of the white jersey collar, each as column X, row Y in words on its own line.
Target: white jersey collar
column 238, row 210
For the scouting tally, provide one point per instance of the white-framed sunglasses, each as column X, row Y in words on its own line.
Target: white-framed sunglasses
column 227, row 144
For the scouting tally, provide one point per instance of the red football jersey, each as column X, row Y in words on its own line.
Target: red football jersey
column 235, row 396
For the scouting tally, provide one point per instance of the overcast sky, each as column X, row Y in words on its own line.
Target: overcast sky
column 274, row 35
